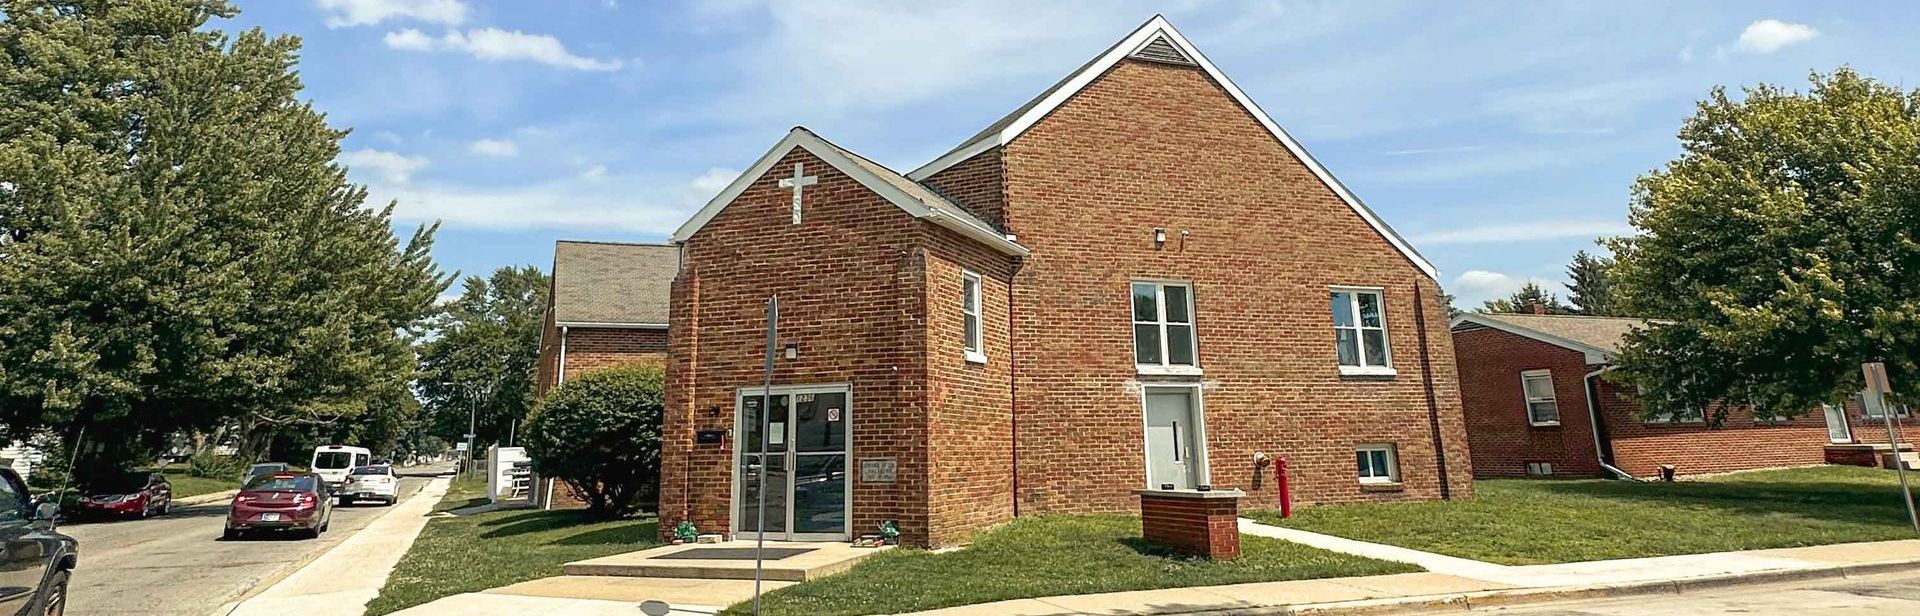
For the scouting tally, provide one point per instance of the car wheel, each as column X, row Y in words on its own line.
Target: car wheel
column 54, row 601
column 231, row 534
column 167, row 508
column 314, row 533
column 346, row 502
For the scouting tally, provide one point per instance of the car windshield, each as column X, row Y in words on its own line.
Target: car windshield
column 281, row 483
column 369, row 470
column 332, row 459
column 266, row 468
column 120, row 483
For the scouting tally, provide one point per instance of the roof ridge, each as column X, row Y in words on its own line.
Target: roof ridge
column 617, row 243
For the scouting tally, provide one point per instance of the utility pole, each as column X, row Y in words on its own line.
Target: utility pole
column 1876, row 399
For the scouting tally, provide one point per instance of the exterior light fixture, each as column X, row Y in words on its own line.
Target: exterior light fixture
column 1159, row 237
column 793, row 350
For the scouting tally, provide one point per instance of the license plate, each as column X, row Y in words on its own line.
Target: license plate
column 366, row 495
column 269, row 517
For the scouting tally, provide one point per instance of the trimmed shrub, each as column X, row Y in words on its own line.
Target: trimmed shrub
column 207, row 464
column 600, row 431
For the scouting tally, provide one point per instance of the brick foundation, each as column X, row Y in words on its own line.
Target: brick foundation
column 1200, row 523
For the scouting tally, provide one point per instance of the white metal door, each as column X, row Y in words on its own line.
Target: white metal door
column 1173, row 436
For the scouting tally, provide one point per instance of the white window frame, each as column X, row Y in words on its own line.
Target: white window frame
column 975, row 345
column 1160, row 307
column 1359, row 330
column 1539, row 469
column 1393, row 463
column 1698, row 416
column 1900, row 411
column 1529, row 400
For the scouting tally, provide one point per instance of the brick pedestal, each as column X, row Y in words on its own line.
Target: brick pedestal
column 1201, row 523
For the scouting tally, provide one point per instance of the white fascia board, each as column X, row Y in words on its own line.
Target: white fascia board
column 608, row 325
column 1159, row 26
column 801, row 138
column 955, row 157
column 1594, row 355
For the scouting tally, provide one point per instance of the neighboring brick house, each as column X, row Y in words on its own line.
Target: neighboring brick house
column 1136, row 279
column 607, row 306
column 1530, row 383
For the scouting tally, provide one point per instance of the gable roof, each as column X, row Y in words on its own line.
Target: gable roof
column 610, row 284
column 1152, row 42
column 1598, row 337
column 908, row 195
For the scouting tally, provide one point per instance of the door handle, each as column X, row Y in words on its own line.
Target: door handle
column 1176, row 441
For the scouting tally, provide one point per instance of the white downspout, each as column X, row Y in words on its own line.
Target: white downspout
column 1593, row 415
column 561, row 376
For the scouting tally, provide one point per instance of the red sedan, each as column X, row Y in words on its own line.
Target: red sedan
column 296, row 502
column 132, row 495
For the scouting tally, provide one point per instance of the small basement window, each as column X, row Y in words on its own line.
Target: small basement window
column 1540, row 469
column 1377, row 463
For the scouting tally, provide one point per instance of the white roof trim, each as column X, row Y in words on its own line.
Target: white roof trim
column 804, row 139
column 1159, row 26
column 608, row 325
column 1595, row 355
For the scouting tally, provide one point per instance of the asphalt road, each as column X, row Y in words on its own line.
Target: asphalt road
column 1882, row 595
column 177, row 564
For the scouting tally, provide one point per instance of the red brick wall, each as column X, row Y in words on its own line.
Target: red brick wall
column 978, row 184
column 970, row 429
column 1261, row 239
column 1739, row 443
column 1503, row 440
column 1206, row 527
column 589, row 349
column 850, row 281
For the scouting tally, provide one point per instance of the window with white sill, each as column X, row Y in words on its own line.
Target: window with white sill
column 1377, row 464
column 1542, row 408
column 970, row 314
column 1163, row 338
column 1360, row 331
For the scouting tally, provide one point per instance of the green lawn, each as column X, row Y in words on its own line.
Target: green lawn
column 473, row 553
column 185, row 485
column 1048, row 556
column 1527, row 522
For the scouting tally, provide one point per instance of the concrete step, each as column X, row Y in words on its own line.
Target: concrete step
column 798, row 561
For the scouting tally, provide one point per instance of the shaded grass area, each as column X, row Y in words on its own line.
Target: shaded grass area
column 472, row 553
column 1529, row 522
column 185, row 485
column 1049, row 556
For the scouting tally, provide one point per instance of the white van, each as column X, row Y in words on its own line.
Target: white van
column 333, row 462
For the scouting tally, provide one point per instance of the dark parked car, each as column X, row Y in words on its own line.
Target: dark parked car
column 37, row 561
column 298, row 502
column 135, row 495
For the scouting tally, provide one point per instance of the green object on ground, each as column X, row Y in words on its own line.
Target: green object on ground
column 1048, row 556
column 686, row 532
column 1530, row 522
column 473, row 553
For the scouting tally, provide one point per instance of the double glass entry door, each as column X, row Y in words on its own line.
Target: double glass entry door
column 804, row 469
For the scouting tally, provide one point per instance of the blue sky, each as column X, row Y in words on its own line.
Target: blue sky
column 1499, row 137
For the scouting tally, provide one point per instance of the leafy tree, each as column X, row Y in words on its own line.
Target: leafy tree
column 183, row 253
column 1590, row 291
column 1781, row 244
column 600, row 432
column 484, row 356
column 1525, row 299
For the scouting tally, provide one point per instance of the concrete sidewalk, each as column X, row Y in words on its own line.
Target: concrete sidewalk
column 343, row 580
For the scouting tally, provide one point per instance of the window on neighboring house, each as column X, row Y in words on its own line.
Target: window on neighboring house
column 1688, row 416
column 1163, row 337
column 1867, row 411
column 1542, row 408
column 1360, row 331
column 1377, row 464
column 970, row 311
column 1540, row 469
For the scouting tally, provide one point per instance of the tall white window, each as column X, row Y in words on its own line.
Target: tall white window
column 970, row 313
column 1377, row 464
column 1163, row 327
column 1360, row 331
column 1542, row 408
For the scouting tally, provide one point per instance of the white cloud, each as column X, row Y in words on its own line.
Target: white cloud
column 578, row 201
column 496, row 148
column 1475, row 286
column 345, row 13
column 595, row 172
column 497, row 45
column 1769, row 35
column 714, row 180
column 1521, row 232
column 387, row 167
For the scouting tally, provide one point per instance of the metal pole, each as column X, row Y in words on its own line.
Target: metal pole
column 1899, row 466
column 766, row 415
column 472, row 406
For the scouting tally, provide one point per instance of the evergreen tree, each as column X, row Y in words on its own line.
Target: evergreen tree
column 184, row 252
column 1590, row 292
column 1781, row 244
column 1526, row 300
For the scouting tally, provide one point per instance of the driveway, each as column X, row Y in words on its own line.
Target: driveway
column 177, row 563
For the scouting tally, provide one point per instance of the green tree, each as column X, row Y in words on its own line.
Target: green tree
column 1590, row 292
column 600, row 432
column 484, row 355
column 1524, row 300
column 183, row 253
column 1781, row 244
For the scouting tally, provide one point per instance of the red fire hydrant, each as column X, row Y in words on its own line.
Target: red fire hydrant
column 1280, row 482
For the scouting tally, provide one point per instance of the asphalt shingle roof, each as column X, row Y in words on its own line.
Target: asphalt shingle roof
column 607, row 282
column 1604, row 333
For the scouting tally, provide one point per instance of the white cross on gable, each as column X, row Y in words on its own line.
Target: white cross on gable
column 799, row 181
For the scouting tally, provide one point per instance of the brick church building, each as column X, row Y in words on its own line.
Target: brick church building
column 1135, row 280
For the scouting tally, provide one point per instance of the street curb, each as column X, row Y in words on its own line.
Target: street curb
column 1464, row 602
column 206, row 498
column 286, row 571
